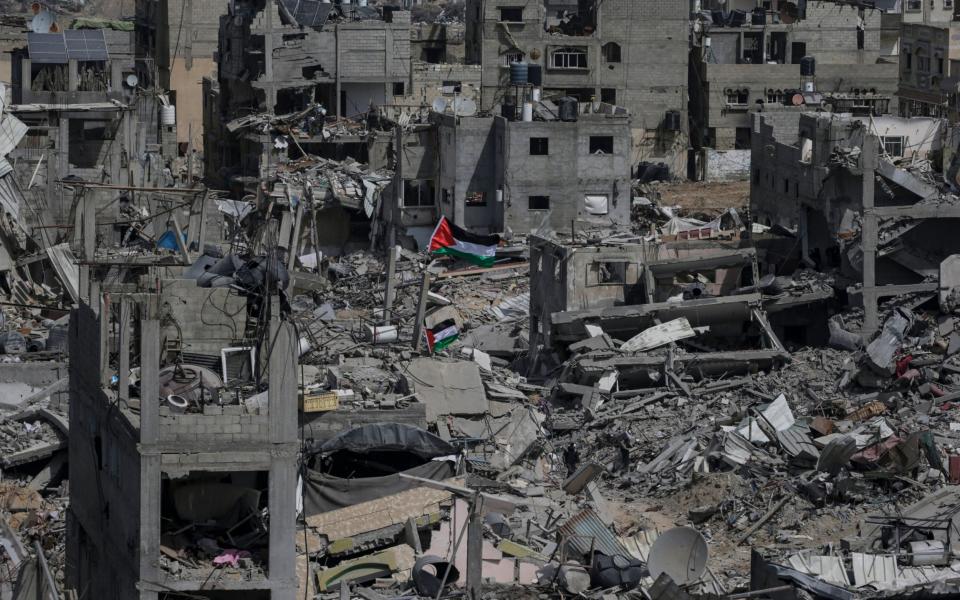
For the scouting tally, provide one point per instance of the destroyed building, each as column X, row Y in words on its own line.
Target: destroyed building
column 860, row 195
column 747, row 57
column 183, row 400
column 584, row 295
column 928, row 61
column 495, row 173
column 632, row 54
column 319, row 60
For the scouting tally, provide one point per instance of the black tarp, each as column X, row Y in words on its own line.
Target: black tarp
column 386, row 437
column 324, row 492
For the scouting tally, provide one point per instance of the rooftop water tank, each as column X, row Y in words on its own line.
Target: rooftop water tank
column 569, row 109
column 518, row 73
column 808, row 66
column 535, row 74
column 168, row 115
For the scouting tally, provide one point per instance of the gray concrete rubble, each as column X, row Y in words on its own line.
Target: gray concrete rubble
column 384, row 300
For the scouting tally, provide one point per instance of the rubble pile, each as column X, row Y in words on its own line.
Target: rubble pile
column 820, row 457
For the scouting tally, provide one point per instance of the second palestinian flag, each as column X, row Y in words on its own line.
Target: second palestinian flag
column 453, row 241
column 442, row 335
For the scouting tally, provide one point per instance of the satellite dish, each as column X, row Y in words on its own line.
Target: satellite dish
column 132, row 80
column 681, row 553
column 789, row 13
column 464, row 107
column 42, row 22
column 439, row 105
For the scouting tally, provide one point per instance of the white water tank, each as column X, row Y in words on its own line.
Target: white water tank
column 168, row 115
column 527, row 111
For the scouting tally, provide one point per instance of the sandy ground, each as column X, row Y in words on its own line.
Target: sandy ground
column 710, row 198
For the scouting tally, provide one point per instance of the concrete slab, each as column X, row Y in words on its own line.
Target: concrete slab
column 447, row 387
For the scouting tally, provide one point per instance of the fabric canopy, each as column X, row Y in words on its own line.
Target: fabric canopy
column 385, row 437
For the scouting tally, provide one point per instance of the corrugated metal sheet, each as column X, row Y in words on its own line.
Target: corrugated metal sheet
column 797, row 443
column 585, row 532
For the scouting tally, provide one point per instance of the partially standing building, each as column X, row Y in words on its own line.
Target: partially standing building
column 623, row 52
column 746, row 57
column 929, row 61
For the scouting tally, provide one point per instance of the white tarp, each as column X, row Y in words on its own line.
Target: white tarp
column 660, row 335
column 237, row 209
column 596, row 204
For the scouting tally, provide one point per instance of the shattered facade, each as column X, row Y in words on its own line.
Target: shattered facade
column 859, row 193
column 184, row 468
column 746, row 58
column 632, row 54
column 497, row 174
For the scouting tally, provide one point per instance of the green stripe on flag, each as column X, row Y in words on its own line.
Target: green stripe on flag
column 441, row 344
column 481, row 261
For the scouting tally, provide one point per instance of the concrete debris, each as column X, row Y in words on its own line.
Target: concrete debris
column 351, row 319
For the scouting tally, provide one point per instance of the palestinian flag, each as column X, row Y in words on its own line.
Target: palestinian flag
column 442, row 335
column 450, row 240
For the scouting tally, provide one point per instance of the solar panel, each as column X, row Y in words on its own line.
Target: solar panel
column 47, row 48
column 308, row 13
column 86, row 44
column 72, row 44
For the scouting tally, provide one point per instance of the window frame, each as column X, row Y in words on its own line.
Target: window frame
column 894, row 140
column 501, row 10
column 530, row 203
column 612, row 53
column 568, row 54
column 539, row 146
column 597, row 140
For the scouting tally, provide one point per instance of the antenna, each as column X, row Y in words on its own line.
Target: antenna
column 681, row 553
column 42, row 22
column 464, row 107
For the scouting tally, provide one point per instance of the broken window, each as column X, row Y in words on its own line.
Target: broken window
column 923, row 62
column 751, row 48
column 452, row 87
column 569, row 58
column 539, row 146
column 797, row 51
column 893, row 145
column 601, row 144
column 434, row 56
column 611, row 273
column 418, row 192
column 742, row 138
column 914, row 4
column 476, row 199
column 777, row 47
column 399, row 89
column 907, row 58
column 738, row 97
column 608, row 95
column 538, row 202
column 511, row 14
column 611, row 52
column 209, row 518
